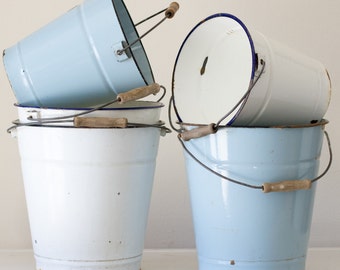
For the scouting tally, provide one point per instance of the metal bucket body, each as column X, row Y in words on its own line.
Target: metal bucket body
column 294, row 88
column 88, row 192
column 72, row 61
column 238, row 227
column 220, row 59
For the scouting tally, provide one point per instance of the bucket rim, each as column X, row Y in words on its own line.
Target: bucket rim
column 322, row 122
column 131, row 105
column 254, row 60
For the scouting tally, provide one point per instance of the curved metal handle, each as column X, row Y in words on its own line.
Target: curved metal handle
column 281, row 186
column 169, row 13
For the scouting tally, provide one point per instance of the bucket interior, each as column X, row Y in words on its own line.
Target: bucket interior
column 213, row 70
column 131, row 35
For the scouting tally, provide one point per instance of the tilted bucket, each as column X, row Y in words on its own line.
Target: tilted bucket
column 88, row 189
column 242, row 78
column 237, row 224
column 83, row 58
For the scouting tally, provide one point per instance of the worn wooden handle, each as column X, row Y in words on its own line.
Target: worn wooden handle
column 287, row 185
column 138, row 93
column 198, row 132
column 100, row 122
column 171, row 10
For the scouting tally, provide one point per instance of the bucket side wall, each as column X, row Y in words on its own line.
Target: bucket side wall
column 88, row 190
column 236, row 223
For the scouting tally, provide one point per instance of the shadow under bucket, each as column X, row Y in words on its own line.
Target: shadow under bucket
column 237, row 225
column 88, row 190
column 73, row 61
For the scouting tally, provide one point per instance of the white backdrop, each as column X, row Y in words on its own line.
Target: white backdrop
column 310, row 26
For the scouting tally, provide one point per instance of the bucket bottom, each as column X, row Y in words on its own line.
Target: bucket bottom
column 288, row 264
column 120, row 264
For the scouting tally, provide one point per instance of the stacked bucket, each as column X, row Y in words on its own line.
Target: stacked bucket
column 250, row 114
column 88, row 148
column 250, row 120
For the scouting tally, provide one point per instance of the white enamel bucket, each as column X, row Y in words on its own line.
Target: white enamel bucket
column 239, row 226
column 224, row 72
column 73, row 61
column 88, row 190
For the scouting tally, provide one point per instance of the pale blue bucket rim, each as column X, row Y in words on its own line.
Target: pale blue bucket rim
column 322, row 122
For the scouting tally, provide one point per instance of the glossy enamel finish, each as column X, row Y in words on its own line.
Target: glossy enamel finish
column 237, row 227
column 220, row 59
column 72, row 61
column 88, row 192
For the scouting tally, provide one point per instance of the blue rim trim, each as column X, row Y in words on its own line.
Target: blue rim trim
column 187, row 37
column 140, row 42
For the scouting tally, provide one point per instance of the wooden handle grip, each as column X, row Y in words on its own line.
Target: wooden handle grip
column 138, row 93
column 198, row 132
column 171, row 10
column 100, row 122
column 287, row 185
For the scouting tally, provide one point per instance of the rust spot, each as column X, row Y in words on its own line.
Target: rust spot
column 232, row 262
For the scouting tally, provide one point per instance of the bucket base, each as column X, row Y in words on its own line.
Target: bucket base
column 120, row 264
column 288, row 264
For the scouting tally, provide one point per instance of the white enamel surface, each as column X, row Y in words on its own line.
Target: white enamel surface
column 88, row 192
column 206, row 98
column 294, row 89
column 146, row 112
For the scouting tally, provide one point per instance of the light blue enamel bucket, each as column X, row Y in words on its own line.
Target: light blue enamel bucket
column 239, row 222
column 78, row 60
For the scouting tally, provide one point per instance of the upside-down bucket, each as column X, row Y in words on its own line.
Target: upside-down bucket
column 237, row 76
column 85, row 57
column 88, row 189
column 238, row 223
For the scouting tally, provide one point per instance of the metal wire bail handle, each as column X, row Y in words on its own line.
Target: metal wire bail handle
column 281, row 186
column 134, row 94
column 169, row 13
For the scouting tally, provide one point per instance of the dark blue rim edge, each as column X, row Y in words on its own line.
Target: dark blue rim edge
column 186, row 38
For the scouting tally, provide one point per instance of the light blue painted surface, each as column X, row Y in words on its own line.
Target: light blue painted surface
column 237, row 227
column 72, row 62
